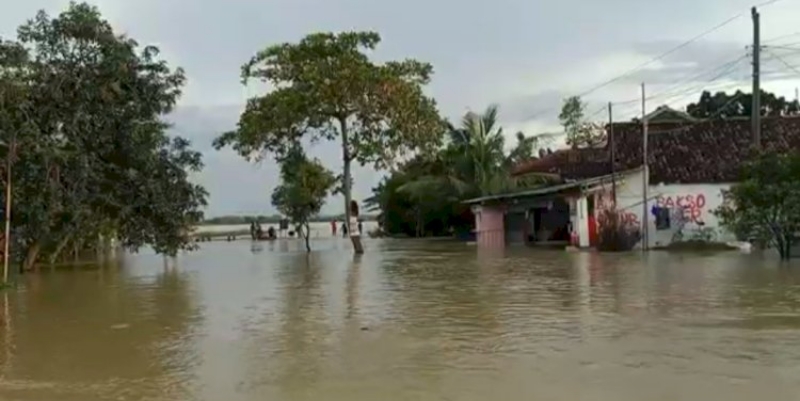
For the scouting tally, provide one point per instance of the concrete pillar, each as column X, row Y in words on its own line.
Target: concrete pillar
column 583, row 222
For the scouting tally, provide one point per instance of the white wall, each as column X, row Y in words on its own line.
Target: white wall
column 691, row 208
column 692, row 214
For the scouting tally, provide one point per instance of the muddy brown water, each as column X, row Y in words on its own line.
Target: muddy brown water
column 408, row 320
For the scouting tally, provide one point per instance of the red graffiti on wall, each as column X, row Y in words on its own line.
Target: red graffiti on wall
column 692, row 206
column 604, row 201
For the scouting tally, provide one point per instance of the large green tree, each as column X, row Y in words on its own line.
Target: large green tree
column 765, row 204
column 425, row 195
column 579, row 131
column 82, row 106
column 740, row 104
column 327, row 88
column 305, row 184
column 571, row 118
column 475, row 160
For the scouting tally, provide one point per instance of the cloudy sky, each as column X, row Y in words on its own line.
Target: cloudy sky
column 523, row 55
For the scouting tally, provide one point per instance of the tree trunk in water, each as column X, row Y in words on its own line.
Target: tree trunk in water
column 30, row 257
column 357, row 248
column 59, row 248
column 306, row 235
column 785, row 248
column 420, row 228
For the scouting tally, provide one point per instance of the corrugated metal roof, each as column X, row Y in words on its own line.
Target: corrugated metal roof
column 553, row 189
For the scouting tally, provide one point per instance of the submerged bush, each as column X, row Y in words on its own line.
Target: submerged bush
column 614, row 233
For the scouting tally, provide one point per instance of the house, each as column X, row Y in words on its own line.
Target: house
column 690, row 163
column 665, row 114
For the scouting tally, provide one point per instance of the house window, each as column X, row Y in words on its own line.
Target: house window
column 662, row 218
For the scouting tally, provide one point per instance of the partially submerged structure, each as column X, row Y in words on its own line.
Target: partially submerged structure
column 690, row 163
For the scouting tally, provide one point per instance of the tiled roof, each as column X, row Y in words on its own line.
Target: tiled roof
column 702, row 152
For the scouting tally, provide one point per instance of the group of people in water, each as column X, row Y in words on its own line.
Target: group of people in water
column 335, row 225
column 257, row 233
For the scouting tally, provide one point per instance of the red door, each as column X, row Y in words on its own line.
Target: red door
column 592, row 230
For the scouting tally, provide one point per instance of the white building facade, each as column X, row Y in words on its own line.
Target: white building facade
column 675, row 212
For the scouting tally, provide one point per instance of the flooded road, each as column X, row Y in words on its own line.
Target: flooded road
column 409, row 320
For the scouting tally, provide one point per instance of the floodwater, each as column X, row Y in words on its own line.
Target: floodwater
column 319, row 229
column 408, row 320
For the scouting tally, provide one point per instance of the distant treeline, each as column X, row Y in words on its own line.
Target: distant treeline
column 274, row 219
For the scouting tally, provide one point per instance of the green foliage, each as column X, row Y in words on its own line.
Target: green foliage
column 580, row 133
column 418, row 199
column 739, row 104
column 571, row 118
column 327, row 88
column 614, row 235
column 424, row 195
column 304, row 186
column 80, row 119
column 765, row 205
column 524, row 149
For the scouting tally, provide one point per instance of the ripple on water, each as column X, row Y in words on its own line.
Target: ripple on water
column 407, row 320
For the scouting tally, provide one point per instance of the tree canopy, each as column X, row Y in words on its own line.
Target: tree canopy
column 765, row 204
column 571, row 117
column 81, row 127
column 580, row 133
column 304, row 186
column 424, row 195
column 327, row 88
column 740, row 104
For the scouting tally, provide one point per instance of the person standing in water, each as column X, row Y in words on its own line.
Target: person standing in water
column 333, row 227
column 355, row 228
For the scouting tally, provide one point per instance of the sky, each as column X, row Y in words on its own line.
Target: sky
column 524, row 56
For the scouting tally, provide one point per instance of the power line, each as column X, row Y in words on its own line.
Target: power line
column 709, row 118
column 704, row 85
column 695, row 90
column 728, row 68
column 657, row 58
column 673, row 91
column 770, row 40
column 600, row 110
column 784, row 62
column 662, row 55
column 787, row 46
column 767, row 3
column 737, row 82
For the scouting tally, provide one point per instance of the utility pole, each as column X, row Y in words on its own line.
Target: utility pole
column 613, row 155
column 7, row 237
column 756, row 106
column 645, row 175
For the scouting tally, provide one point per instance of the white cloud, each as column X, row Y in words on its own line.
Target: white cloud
column 526, row 56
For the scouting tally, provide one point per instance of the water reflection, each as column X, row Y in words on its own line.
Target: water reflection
column 407, row 320
column 87, row 333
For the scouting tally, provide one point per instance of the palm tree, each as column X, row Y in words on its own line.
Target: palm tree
column 474, row 160
column 482, row 143
column 473, row 163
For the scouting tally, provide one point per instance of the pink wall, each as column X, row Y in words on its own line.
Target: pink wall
column 490, row 227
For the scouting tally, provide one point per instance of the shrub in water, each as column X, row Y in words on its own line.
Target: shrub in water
column 614, row 233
